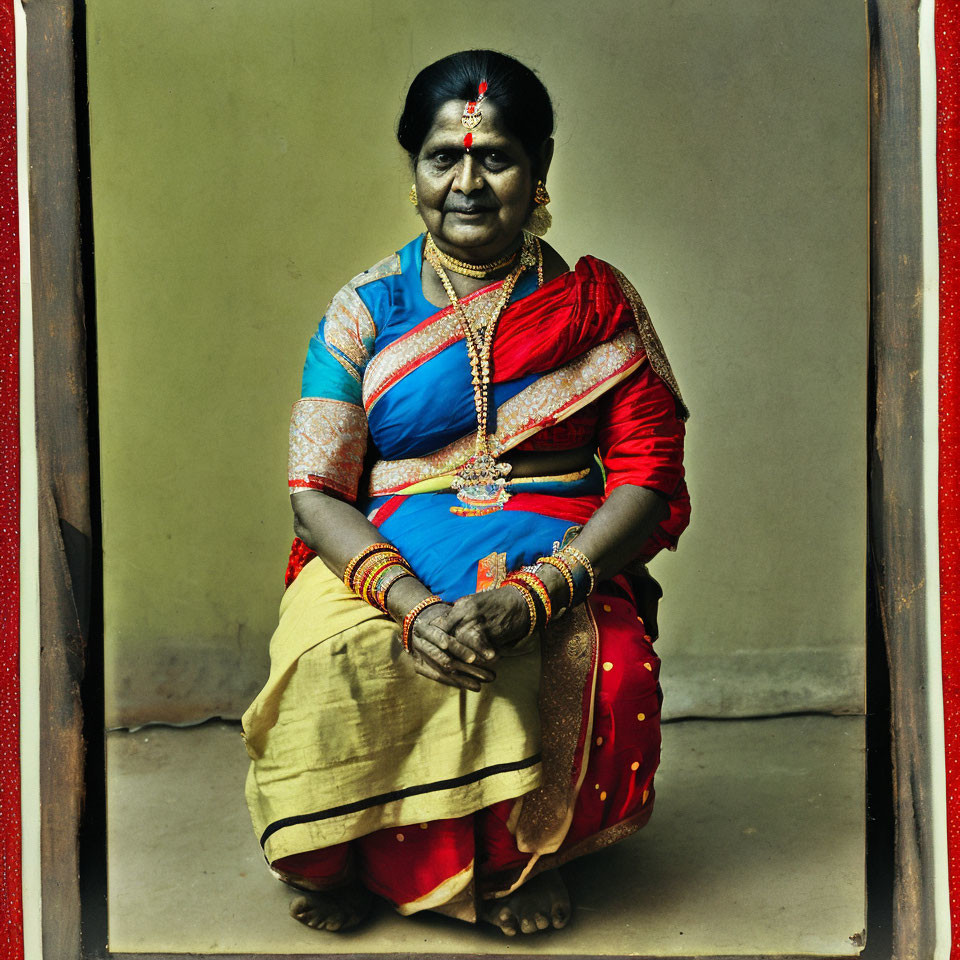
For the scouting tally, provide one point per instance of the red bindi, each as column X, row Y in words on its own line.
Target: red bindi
column 468, row 141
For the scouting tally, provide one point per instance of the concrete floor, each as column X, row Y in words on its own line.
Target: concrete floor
column 756, row 848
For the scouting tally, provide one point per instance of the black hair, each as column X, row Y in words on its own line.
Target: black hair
column 523, row 104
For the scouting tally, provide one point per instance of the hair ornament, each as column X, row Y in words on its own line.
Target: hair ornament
column 471, row 115
column 471, row 110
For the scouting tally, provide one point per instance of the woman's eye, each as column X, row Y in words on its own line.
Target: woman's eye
column 497, row 161
column 443, row 159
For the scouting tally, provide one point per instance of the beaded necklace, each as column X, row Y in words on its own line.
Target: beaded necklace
column 480, row 482
column 479, row 271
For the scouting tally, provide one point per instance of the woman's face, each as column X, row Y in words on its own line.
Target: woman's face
column 474, row 203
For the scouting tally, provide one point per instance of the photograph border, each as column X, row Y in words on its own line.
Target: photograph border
column 71, row 755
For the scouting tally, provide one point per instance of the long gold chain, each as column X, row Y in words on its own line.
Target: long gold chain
column 480, row 481
column 479, row 342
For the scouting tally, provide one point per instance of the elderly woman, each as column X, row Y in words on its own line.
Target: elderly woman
column 463, row 691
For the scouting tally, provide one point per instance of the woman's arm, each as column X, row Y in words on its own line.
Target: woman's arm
column 337, row 532
column 613, row 536
column 617, row 532
column 640, row 443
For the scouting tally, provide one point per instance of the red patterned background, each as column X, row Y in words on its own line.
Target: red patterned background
column 11, row 925
column 947, row 26
column 948, row 162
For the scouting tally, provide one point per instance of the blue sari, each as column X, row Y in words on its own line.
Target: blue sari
column 387, row 395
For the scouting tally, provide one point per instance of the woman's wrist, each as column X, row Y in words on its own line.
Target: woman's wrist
column 404, row 595
column 556, row 586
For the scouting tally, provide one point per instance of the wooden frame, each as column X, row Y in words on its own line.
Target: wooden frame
column 897, row 540
column 62, row 308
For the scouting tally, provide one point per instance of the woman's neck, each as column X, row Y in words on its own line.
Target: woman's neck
column 463, row 284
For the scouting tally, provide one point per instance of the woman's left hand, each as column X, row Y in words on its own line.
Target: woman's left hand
column 498, row 618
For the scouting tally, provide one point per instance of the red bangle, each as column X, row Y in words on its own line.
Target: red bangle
column 563, row 568
column 540, row 589
column 536, row 587
column 524, row 590
column 407, row 629
column 362, row 555
column 380, row 564
column 584, row 562
column 386, row 582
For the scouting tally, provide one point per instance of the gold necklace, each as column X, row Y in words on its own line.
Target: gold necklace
column 479, row 271
column 480, row 482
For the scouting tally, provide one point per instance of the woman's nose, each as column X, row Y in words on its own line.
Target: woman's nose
column 468, row 178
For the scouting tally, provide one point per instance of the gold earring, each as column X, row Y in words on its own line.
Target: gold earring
column 539, row 221
column 414, row 199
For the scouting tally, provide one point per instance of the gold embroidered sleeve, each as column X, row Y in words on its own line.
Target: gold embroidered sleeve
column 348, row 331
column 328, row 441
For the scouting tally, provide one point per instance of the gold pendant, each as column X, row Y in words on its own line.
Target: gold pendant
column 480, row 485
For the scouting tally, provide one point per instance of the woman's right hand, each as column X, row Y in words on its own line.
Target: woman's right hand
column 447, row 659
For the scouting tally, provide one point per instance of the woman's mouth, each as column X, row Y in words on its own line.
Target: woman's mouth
column 470, row 211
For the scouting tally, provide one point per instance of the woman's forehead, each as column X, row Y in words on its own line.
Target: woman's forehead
column 447, row 130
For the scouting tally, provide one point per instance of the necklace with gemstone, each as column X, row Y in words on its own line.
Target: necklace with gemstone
column 480, row 482
column 479, row 271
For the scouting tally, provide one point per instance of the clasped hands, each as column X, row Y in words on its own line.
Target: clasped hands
column 457, row 645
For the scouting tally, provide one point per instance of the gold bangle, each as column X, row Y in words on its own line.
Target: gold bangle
column 540, row 590
column 362, row 555
column 381, row 581
column 361, row 575
column 407, row 629
column 381, row 563
column 584, row 562
column 558, row 563
column 527, row 595
column 386, row 582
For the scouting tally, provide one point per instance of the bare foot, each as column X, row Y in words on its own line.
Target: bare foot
column 333, row 910
column 538, row 905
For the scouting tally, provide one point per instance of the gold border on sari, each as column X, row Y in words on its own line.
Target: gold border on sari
column 551, row 399
column 568, row 674
column 651, row 342
column 422, row 343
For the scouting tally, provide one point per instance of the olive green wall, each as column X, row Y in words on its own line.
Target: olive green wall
column 244, row 167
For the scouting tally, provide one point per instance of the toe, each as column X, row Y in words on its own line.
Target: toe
column 527, row 925
column 507, row 922
column 299, row 906
column 541, row 921
column 560, row 916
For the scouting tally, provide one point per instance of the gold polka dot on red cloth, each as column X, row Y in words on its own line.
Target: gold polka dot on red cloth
column 400, row 837
column 634, row 765
column 947, row 34
column 648, row 665
column 607, row 665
